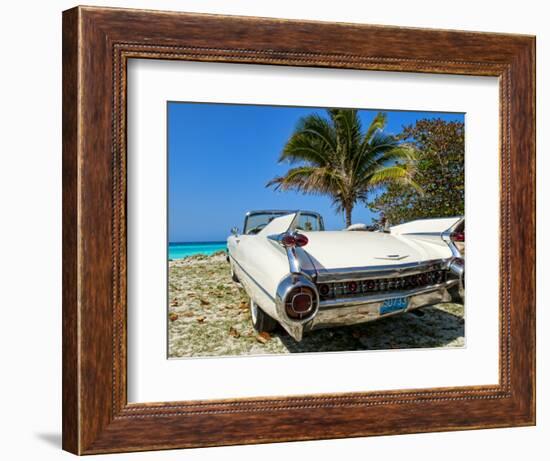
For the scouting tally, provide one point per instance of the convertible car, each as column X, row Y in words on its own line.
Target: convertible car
column 302, row 277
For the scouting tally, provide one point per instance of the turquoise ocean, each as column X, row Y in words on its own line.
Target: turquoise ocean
column 179, row 250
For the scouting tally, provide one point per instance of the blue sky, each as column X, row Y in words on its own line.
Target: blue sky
column 220, row 157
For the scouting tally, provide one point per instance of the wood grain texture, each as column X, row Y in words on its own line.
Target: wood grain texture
column 70, row 384
column 97, row 43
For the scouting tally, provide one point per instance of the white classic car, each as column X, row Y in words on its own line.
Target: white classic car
column 302, row 277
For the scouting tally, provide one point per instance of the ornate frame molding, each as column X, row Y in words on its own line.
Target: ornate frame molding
column 97, row 43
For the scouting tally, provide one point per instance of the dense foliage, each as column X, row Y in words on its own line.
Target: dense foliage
column 439, row 173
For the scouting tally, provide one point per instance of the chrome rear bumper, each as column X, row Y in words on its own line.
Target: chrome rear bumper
column 351, row 311
column 358, row 310
column 341, row 309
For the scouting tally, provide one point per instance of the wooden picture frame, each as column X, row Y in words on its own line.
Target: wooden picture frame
column 97, row 43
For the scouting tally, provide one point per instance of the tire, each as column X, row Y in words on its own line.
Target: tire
column 456, row 296
column 260, row 320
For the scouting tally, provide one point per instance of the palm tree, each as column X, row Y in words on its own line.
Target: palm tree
column 332, row 156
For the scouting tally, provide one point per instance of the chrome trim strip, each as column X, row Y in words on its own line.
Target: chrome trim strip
column 293, row 261
column 356, row 273
column 380, row 297
column 392, row 257
column 252, row 279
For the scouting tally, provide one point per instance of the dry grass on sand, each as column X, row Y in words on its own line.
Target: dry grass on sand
column 208, row 315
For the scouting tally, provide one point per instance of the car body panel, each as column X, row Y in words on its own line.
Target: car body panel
column 265, row 266
column 433, row 231
column 341, row 249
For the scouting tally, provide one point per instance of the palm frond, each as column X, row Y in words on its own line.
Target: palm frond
column 332, row 156
column 314, row 139
column 377, row 124
column 304, row 148
column 401, row 155
column 387, row 151
column 307, row 179
column 394, row 174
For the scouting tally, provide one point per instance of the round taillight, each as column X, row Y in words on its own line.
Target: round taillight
column 324, row 289
column 294, row 240
column 457, row 236
column 301, row 240
column 288, row 240
column 370, row 284
column 300, row 302
column 352, row 287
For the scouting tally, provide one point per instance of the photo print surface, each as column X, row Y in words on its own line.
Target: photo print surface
column 307, row 229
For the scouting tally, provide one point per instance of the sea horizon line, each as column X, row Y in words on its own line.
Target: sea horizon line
column 196, row 242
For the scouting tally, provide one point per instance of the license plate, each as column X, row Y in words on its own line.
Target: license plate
column 394, row 305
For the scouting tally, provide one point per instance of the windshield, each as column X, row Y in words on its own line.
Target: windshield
column 256, row 221
column 308, row 222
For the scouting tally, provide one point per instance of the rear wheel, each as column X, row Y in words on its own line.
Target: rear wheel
column 260, row 320
column 233, row 275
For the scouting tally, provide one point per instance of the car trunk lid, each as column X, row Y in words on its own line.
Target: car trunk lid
column 346, row 249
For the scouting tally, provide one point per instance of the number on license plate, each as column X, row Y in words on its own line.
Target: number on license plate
column 393, row 305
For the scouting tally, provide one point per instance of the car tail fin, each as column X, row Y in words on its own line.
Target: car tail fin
column 426, row 226
column 278, row 225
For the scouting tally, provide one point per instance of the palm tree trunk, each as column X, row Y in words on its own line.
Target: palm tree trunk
column 348, row 209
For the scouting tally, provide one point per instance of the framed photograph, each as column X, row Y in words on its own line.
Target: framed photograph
column 284, row 230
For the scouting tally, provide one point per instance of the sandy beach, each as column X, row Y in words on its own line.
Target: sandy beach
column 208, row 315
